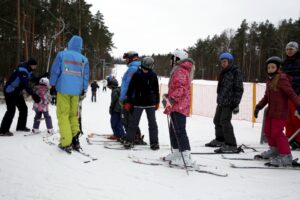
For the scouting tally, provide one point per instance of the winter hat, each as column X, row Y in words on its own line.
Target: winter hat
column 31, row 61
column 292, row 45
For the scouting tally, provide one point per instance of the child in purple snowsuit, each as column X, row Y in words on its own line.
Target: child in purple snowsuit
column 41, row 108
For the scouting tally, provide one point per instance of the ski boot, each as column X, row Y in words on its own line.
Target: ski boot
column 75, row 142
column 214, row 143
column 271, row 153
column 67, row 149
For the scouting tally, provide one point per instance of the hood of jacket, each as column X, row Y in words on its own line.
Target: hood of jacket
column 75, row 43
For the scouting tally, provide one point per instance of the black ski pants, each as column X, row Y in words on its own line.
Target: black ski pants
column 13, row 101
column 134, row 121
column 223, row 127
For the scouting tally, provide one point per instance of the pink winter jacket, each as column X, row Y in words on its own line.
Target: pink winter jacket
column 180, row 87
column 43, row 92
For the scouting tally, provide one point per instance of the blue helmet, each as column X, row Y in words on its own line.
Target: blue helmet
column 227, row 56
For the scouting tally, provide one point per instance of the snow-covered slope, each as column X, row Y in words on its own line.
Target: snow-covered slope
column 30, row 169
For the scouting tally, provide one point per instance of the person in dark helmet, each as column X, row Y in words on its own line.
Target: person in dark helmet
column 291, row 66
column 143, row 94
column 229, row 94
column 115, row 110
column 278, row 92
column 133, row 63
column 18, row 81
column 94, row 87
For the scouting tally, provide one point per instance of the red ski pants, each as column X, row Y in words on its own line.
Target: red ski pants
column 292, row 123
column 274, row 133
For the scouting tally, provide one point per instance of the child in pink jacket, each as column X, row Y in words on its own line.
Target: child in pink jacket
column 42, row 108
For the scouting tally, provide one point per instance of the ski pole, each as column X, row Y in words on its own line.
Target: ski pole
column 294, row 135
column 169, row 133
column 178, row 143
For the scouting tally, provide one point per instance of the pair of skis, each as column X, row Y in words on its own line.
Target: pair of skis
column 158, row 162
column 52, row 140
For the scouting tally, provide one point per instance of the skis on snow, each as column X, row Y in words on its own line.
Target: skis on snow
column 156, row 162
column 295, row 166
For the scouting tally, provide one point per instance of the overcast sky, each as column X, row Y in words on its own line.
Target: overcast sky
column 161, row 26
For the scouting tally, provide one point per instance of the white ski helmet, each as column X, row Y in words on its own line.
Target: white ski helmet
column 179, row 55
column 44, row 81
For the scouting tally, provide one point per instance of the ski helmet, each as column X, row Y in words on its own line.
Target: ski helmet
column 274, row 59
column 130, row 55
column 179, row 55
column 44, row 81
column 227, row 56
column 148, row 63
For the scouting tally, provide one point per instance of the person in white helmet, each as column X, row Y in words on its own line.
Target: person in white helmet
column 41, row 108
column 177, row 105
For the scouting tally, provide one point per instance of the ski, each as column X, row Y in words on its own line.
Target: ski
column 156, row 162
column 121, row 147
column 239, row 158
column 211, row 153
column 91, row 135
column 295, row 166
column 52, row 141
column 86, row 155
column 31, row 134
column 99, row 142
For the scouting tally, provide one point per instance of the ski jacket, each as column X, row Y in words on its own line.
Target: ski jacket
column 43, row 92
column 19, row 80
column 230, row 87
column 94, row 87
column 143, row 89
column 70, row 69
column 114, row 104
column 278, row 100
column 179, row 87
column 291, row 66
column 132, row 68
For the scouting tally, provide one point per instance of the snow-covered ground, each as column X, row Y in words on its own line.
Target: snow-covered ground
column 30, row 169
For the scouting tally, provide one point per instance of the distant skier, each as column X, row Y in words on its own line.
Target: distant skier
column 115, row 110
column 69, row 76
column 13, row 88
column 143, row 94
column 104, row 84
column 94, row 87
column 229, row 94
column 177, row 105
column 278, row 92
column 291, row 66
column 41, row 108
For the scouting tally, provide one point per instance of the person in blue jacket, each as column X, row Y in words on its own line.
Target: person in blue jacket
column 69, row 77
column 18, row 81
column 133, row 63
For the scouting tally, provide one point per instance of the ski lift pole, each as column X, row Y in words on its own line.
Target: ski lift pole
column 53, row 38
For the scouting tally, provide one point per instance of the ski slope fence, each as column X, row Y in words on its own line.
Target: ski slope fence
column 204, row 96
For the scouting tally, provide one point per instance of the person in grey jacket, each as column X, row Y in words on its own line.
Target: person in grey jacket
column 229, row 94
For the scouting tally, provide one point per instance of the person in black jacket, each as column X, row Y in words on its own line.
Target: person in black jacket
column 143, row 94
column 229, row 94
column 115, row 110
column 18, row 81
column 94, row 87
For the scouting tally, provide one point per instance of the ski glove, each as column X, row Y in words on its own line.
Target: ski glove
column 236, row 110
column 36, row 98
column 82, row 95
column 256, row 111
column 297, row 112
column 127, row 106
column 157, row 106
column 53, row 91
